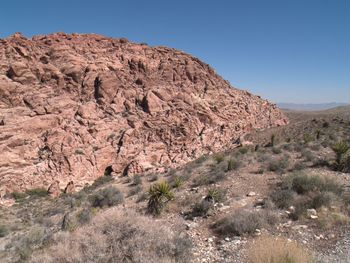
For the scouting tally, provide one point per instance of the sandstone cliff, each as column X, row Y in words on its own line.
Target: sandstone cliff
column 72, row 106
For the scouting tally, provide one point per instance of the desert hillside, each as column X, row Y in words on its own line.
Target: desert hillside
column 74, row 107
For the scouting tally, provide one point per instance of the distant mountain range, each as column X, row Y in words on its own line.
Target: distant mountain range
column 311, row 106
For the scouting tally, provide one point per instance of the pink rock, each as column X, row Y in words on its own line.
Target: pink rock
column 76, row 104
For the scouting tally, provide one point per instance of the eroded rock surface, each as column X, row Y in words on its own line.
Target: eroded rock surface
column 72, row 106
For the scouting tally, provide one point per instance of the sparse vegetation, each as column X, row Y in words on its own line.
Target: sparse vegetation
column 219, row 158
column 118, row 237
column 109, row 196
column 232, row 165
column 244, row 222
column 304, row 192
column 159, row 194
column 277, row 250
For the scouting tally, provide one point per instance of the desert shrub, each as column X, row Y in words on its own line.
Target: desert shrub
column 307, row 155
column 177, row 182
column 214, row 175
column 68, row 222
column 219, row 158
column 135, row 190
column 279, row 165
column 100, row 181
column 272, row 140
column 307, row 138
column 283, row 197
column 232, row 165
column 276, row 150
column 323, row 199
column 242, row 222
column 298, row 147
column 152, row 177
column 216, row 195
column 345, row 166
column 201, row 209
column 315, row 147
column 302, row 184
column 18, row 196
column 340, row 149
column 318, row 134
column 137, row 180
column 306, row 191
column 143, row 196
column 243, row 150
column 37, row 192
column 115, row 236
column 299, row 166
column 109, row 196
column 277, row 250
column 3, row 231
column 84, row 216
column 159, row 195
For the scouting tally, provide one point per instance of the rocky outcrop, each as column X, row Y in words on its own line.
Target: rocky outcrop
column 72, row 106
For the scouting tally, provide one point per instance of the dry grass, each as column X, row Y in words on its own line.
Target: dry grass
column 277, row 250
column 116, row 236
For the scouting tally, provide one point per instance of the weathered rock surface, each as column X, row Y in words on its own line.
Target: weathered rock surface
column 73, row 105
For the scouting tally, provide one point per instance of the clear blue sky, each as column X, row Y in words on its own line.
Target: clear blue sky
column 285, row 50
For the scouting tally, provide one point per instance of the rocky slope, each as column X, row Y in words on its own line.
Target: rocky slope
column 75, row 106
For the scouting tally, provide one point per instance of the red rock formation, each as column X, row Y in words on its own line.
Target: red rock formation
column 72, row 105
column 70, row 188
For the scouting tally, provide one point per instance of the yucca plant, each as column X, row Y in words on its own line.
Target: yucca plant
column 215, row 195
column 340, row 149
column 159, row 194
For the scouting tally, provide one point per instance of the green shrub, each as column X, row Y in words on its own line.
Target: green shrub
column 242, row 222
column 305, row 192
column 3, row 231
column 18, row 196
column 283, row 198
column 135, row 190
column 219, row 158
column 84, row 216
column 216, row 195
column 340, row 149
column 243, row 150
column 279, row 165
column 177, row 182
column 137, row 180
column 159, row 194
column 307, row 138
column 302, row 184
column 37, row 192
column 232, row 165
column 276, row 150
column 307, row 155
column 100, row 181
column 109, row 196
column 201, row 208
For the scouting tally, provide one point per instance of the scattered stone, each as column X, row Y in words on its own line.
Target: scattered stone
column 311, row 213
column 250, row 194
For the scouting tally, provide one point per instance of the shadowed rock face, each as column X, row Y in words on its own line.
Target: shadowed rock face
column 72, row 106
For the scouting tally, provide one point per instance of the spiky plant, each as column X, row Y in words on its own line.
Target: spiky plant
column 159, row 194
column 215, row 195
column 340, row 149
